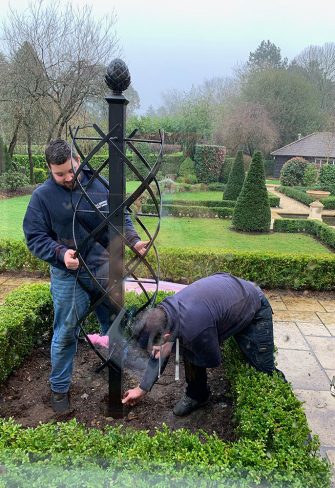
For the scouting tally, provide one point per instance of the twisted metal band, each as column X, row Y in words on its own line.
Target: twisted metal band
column 136, row 259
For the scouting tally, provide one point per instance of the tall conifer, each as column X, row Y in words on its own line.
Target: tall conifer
column 252, row 211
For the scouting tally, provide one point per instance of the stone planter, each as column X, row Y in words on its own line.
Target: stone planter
column 315, row 208
column 317, row 194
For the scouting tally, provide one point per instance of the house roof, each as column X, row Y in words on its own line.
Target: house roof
column 318, row 145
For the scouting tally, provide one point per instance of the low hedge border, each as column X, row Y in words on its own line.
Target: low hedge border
column 199, row 203
column 322, row 231
column 270, row 270
column 273, row 199
column 273, row 449
column 190, row 211
column 27, row 314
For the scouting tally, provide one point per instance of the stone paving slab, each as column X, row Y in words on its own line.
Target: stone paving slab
column 302, row 370
column 320, row 410
column 303, row 304
column 292, row 316
column 328, row 305
column 288, row 336
column 313, row 329
column 328, row 318
column 324, row 349
column 331, row 374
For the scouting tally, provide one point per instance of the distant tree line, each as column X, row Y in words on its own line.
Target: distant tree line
column 52, row 63
column 53, row 60
column 265, row 105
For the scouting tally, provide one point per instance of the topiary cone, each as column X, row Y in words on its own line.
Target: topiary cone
column 236, row 178
column 252, row 211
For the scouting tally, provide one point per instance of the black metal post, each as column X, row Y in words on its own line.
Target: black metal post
column 121, row 266
column 117, row 79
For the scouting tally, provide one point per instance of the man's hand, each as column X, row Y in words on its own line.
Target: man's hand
column 70, row 261
column 165, row 349
column 133, row 396
column 141, row 246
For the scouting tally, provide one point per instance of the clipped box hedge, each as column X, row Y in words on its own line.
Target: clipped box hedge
column 190, row 211
column 273, row 199
column 316, row 228
column 270, row 270
column 274, row 446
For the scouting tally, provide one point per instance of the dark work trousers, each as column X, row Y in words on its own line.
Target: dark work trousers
column 255, row 342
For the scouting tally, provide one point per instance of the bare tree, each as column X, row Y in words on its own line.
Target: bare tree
column 249, row 127
column 318, row 64
column 71, row 49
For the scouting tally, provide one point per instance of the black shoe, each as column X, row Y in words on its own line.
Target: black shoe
column 60, row 402
column 187, row 405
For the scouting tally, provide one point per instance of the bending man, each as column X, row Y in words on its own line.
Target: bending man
column 202, row 316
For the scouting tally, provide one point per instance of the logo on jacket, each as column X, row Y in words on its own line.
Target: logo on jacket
column 101, row 204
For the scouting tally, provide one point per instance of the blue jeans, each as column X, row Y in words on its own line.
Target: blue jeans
column 70, row 305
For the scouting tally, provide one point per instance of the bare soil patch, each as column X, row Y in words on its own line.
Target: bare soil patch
column 26, row 395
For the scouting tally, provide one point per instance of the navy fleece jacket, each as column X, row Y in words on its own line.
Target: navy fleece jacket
column 203, row 315
column 48, row 222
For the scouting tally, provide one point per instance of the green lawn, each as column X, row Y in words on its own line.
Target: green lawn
column 189, row 195
column 12, row 211
column 211, row 233
column 184, row 232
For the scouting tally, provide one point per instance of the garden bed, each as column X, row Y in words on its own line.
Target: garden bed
column 25, row 397
column 268, row 443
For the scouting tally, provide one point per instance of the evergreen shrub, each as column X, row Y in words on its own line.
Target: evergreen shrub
column 322, row 231
column 311, row 175
column 186, row 168
column 208, row 160
column 272, row 270
column 274, row 446
column 252, row 210
column 40, row 175
column 327, row 178
column 292, row 172
column 225, row 169
column 236, row 178
column 13, row 180
column 216, row 186
column 296, row 193
column 190, row 211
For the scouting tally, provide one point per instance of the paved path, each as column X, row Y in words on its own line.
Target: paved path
column 304, row 326
column 290, row 206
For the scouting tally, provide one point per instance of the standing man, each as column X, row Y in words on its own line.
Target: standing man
column 48, row 229
column 201, row 317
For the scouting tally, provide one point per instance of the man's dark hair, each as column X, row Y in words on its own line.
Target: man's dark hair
column 150, row 327
column 58, row 151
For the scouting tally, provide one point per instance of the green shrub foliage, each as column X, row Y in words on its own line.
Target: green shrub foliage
column 225, row 169
column 208, row 161
column 274, row 446
column 327, row 178
column 272, row 270
column 236, row 178
column 40, row 175
column 311, row 175
column 292, row 173
column 252, row 210
column 186, row 168
column 12, row 180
